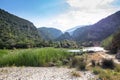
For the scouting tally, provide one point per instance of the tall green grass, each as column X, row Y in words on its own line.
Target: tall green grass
column 33, row 57
column 3, row 52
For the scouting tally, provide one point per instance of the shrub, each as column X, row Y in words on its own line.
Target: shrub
column 59, row 63
column 78, row 62
column 65, row 61
column 93, row 63
column 107, row 74
column 76, row 74
column 108, row 63
column 82, row 66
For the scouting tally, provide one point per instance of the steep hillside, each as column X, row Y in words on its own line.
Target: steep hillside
column 70, row 31
column 16, row 32
column 115, row 45
column 65, row 36
column 100, row 30
column 49, row 33
column 106, row 43
column 112, row 43
column 81, row 33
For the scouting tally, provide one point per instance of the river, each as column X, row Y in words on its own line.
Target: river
column 87, row 49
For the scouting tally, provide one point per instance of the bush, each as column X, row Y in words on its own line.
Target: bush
column 107, row 74
column 93, row 63
column 82, row 66
column 108, row 63
column 59, row 63
column 78, row 62
column 75, row 74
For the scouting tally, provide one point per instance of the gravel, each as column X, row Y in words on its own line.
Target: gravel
column 42, row 73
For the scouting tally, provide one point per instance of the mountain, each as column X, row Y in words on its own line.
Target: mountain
column 49, row 33
column 70, row 31
column 99, row 31
column 17, row 32
column 112, row 43
column 65, row 36
column 81, row 33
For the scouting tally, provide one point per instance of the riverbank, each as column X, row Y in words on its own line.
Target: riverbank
column 43, row 73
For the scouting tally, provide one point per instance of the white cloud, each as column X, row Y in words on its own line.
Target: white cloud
column 88, row 3
column 82, row 12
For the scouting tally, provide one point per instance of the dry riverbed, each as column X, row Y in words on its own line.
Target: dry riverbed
column 43, row 73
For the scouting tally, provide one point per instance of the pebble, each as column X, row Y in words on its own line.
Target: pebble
column 42, row 73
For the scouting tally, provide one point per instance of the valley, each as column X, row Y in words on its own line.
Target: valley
column 85, row 52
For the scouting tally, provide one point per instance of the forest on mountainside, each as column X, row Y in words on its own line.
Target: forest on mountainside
column 17, row 32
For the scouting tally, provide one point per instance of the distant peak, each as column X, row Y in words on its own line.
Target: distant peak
column 118, row 13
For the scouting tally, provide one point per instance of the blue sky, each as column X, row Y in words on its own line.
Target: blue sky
column 61, row 14
column 42, row 8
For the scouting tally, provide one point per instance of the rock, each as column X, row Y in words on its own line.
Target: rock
column 118, row 54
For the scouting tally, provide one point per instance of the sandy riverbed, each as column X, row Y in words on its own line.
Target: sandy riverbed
column 42, row 73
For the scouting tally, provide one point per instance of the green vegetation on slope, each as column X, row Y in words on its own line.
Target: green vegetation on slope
column 115, row 46
column 17, row 32
column 49, row 33
column 65, row 36
column 100, row 30
column 33, row 57
column 112, row 43
column 66, row 44
column 107, row 42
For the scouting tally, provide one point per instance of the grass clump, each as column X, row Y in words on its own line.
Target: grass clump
column 75, row 74
column 96, row 71
column 107, row 73
column 117, row 68
column 34, row 57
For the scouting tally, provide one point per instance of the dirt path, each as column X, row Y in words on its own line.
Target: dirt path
column 42, row 73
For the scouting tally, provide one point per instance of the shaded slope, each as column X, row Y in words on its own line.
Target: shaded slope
column 65, row 36
column 100, row 30
column 49, row 33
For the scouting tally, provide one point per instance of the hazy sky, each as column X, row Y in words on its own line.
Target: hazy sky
column 61, row 14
